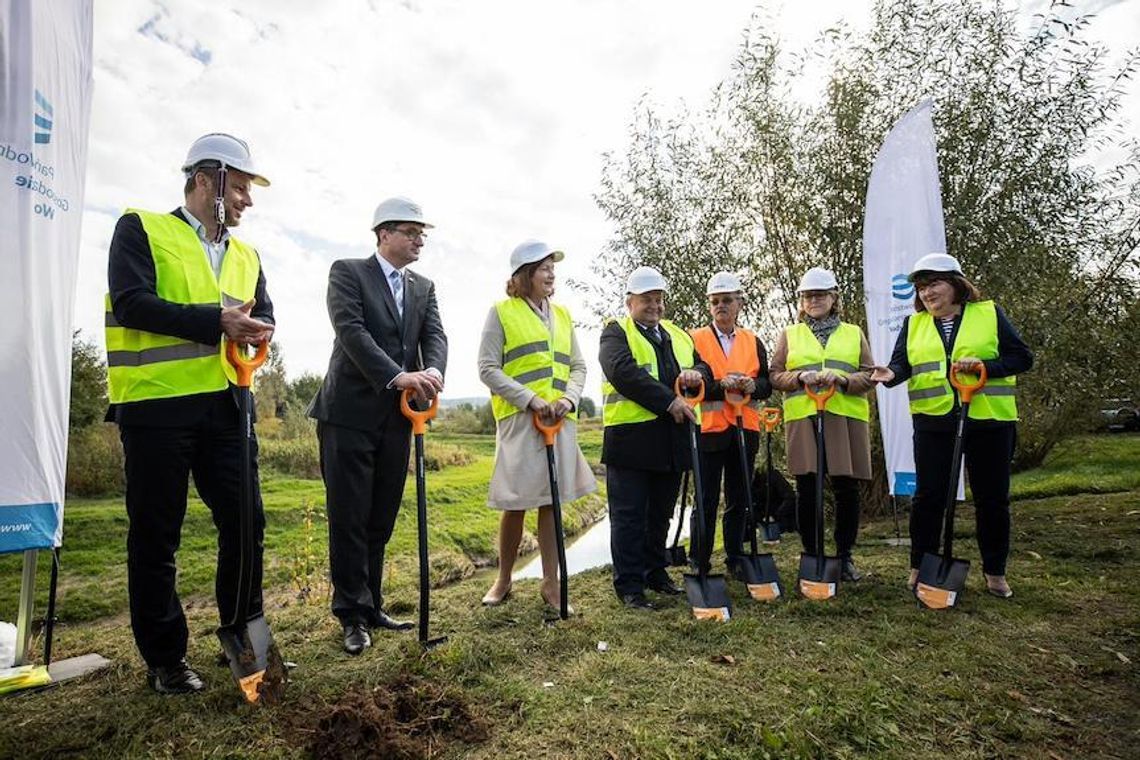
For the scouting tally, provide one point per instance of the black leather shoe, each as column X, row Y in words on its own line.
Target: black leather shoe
column 174, row 679
column 637, row 602
column 382, row 619
column 850, row 572
column 356, row 638
column 666, row 586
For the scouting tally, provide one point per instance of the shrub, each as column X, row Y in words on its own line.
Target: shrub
column 295, row 457
column 95, row 461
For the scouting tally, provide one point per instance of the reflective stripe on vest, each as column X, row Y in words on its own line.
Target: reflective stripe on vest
column 743, row 358
column 929, row 388
column 143, row 365
column 841, row 356
column 533, row 355
column 616, row 408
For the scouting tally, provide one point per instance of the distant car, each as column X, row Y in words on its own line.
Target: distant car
column 1120, row 414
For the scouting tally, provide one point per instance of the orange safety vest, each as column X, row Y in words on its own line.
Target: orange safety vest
column 715, row 416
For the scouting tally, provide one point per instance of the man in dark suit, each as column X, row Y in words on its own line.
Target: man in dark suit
column 645, row 445
column 388, row 338
column 178, row 283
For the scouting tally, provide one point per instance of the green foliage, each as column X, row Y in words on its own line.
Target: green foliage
column 302, row 390
column 95, row 461
column 294, row 457
column 1040, row 184
column 88, row 383
column 587, row 407
column 270, row 384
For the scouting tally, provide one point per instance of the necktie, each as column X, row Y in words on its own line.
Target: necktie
column 397, row 281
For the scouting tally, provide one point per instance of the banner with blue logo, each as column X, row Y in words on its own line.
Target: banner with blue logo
column 903, row 222
column 45, row 106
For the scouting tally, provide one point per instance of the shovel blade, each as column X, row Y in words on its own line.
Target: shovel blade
column 819, row 580
column 770, row 531
column 708, row 596
column 676, row 556
column 939, row 582
column 254, row 661
column 759, row 574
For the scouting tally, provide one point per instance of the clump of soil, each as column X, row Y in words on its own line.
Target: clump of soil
column 405, row 718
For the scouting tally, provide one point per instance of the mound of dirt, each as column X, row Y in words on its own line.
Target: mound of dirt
column 405, row 718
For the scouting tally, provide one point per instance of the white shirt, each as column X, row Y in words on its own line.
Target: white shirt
column 725, row 339
column 215, row 252
column 387, row 268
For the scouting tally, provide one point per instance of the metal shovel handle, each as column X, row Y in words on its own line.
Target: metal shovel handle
column 418, row 419
column 736, row 401
column 819, row 398
column 966, row 390
column 245, row 366
column 548, row 431
column 693, row 400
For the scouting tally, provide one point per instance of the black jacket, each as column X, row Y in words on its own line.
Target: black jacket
column 659, row 445
column 131, row 282
column 1014, row 357
column 373, row 344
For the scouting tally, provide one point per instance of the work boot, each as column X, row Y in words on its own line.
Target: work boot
column 851, row 573
column 174, row 679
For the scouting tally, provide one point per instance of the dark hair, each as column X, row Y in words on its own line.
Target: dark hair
column 386, row 227
column 520, row 284
column 209, row 168
column 964, row 290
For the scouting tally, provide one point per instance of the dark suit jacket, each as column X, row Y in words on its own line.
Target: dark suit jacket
column 373, row 344
column 131, row 282
column 660, row 445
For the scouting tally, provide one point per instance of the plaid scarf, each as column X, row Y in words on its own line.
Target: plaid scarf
column 822, row 328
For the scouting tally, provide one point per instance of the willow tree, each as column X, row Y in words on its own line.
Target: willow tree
column 1039, row 182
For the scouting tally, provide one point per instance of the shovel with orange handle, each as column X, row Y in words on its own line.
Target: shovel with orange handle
column 246, row 640
column 549, row 433
column 819, row 574
column 941, row 579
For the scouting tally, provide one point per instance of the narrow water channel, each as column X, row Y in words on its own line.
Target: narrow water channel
column 591, row 549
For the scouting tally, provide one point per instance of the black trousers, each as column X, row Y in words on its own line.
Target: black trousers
column 364, row 474
column 641, row 504
column 846, row 491
column 987, row 453
column 715, row 465
column 159, row 462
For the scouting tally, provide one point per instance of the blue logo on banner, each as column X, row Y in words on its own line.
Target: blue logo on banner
column 906, row 483
column 43, row 119
column 901, row 288
column 27, row 526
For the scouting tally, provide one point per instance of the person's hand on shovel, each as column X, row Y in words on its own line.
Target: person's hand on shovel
column 679, row 410
column 240, row 327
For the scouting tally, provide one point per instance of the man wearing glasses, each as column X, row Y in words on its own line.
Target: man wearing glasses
column 388, row 338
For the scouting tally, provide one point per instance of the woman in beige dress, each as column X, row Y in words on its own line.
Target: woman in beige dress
column 530, row 360
column 823, row 350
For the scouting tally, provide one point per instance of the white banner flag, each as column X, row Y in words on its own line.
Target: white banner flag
column 45, row 105
column 903, row 222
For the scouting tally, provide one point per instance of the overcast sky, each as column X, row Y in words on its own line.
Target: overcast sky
column 492, row 115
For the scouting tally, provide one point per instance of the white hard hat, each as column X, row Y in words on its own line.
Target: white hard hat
column 723, row 282
column 398, row 210
column 227, row 149
column 935, row 262
column 530, row 251
column 645, row 279
column 817, row 278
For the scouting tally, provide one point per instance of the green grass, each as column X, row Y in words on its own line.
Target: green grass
column 1052, row 672
column 1084, row 464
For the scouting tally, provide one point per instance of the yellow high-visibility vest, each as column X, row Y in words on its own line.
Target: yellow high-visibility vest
column 616, row 408
column 841, row 356
column 929, row 388
column 533, row 355
column 143, row 365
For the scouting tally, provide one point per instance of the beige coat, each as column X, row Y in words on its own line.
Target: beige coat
column 847, row 441
column 520, row 480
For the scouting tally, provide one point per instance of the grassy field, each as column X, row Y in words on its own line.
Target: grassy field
column 1049, row 673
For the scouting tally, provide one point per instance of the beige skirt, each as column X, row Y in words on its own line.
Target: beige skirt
column 520, row 479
